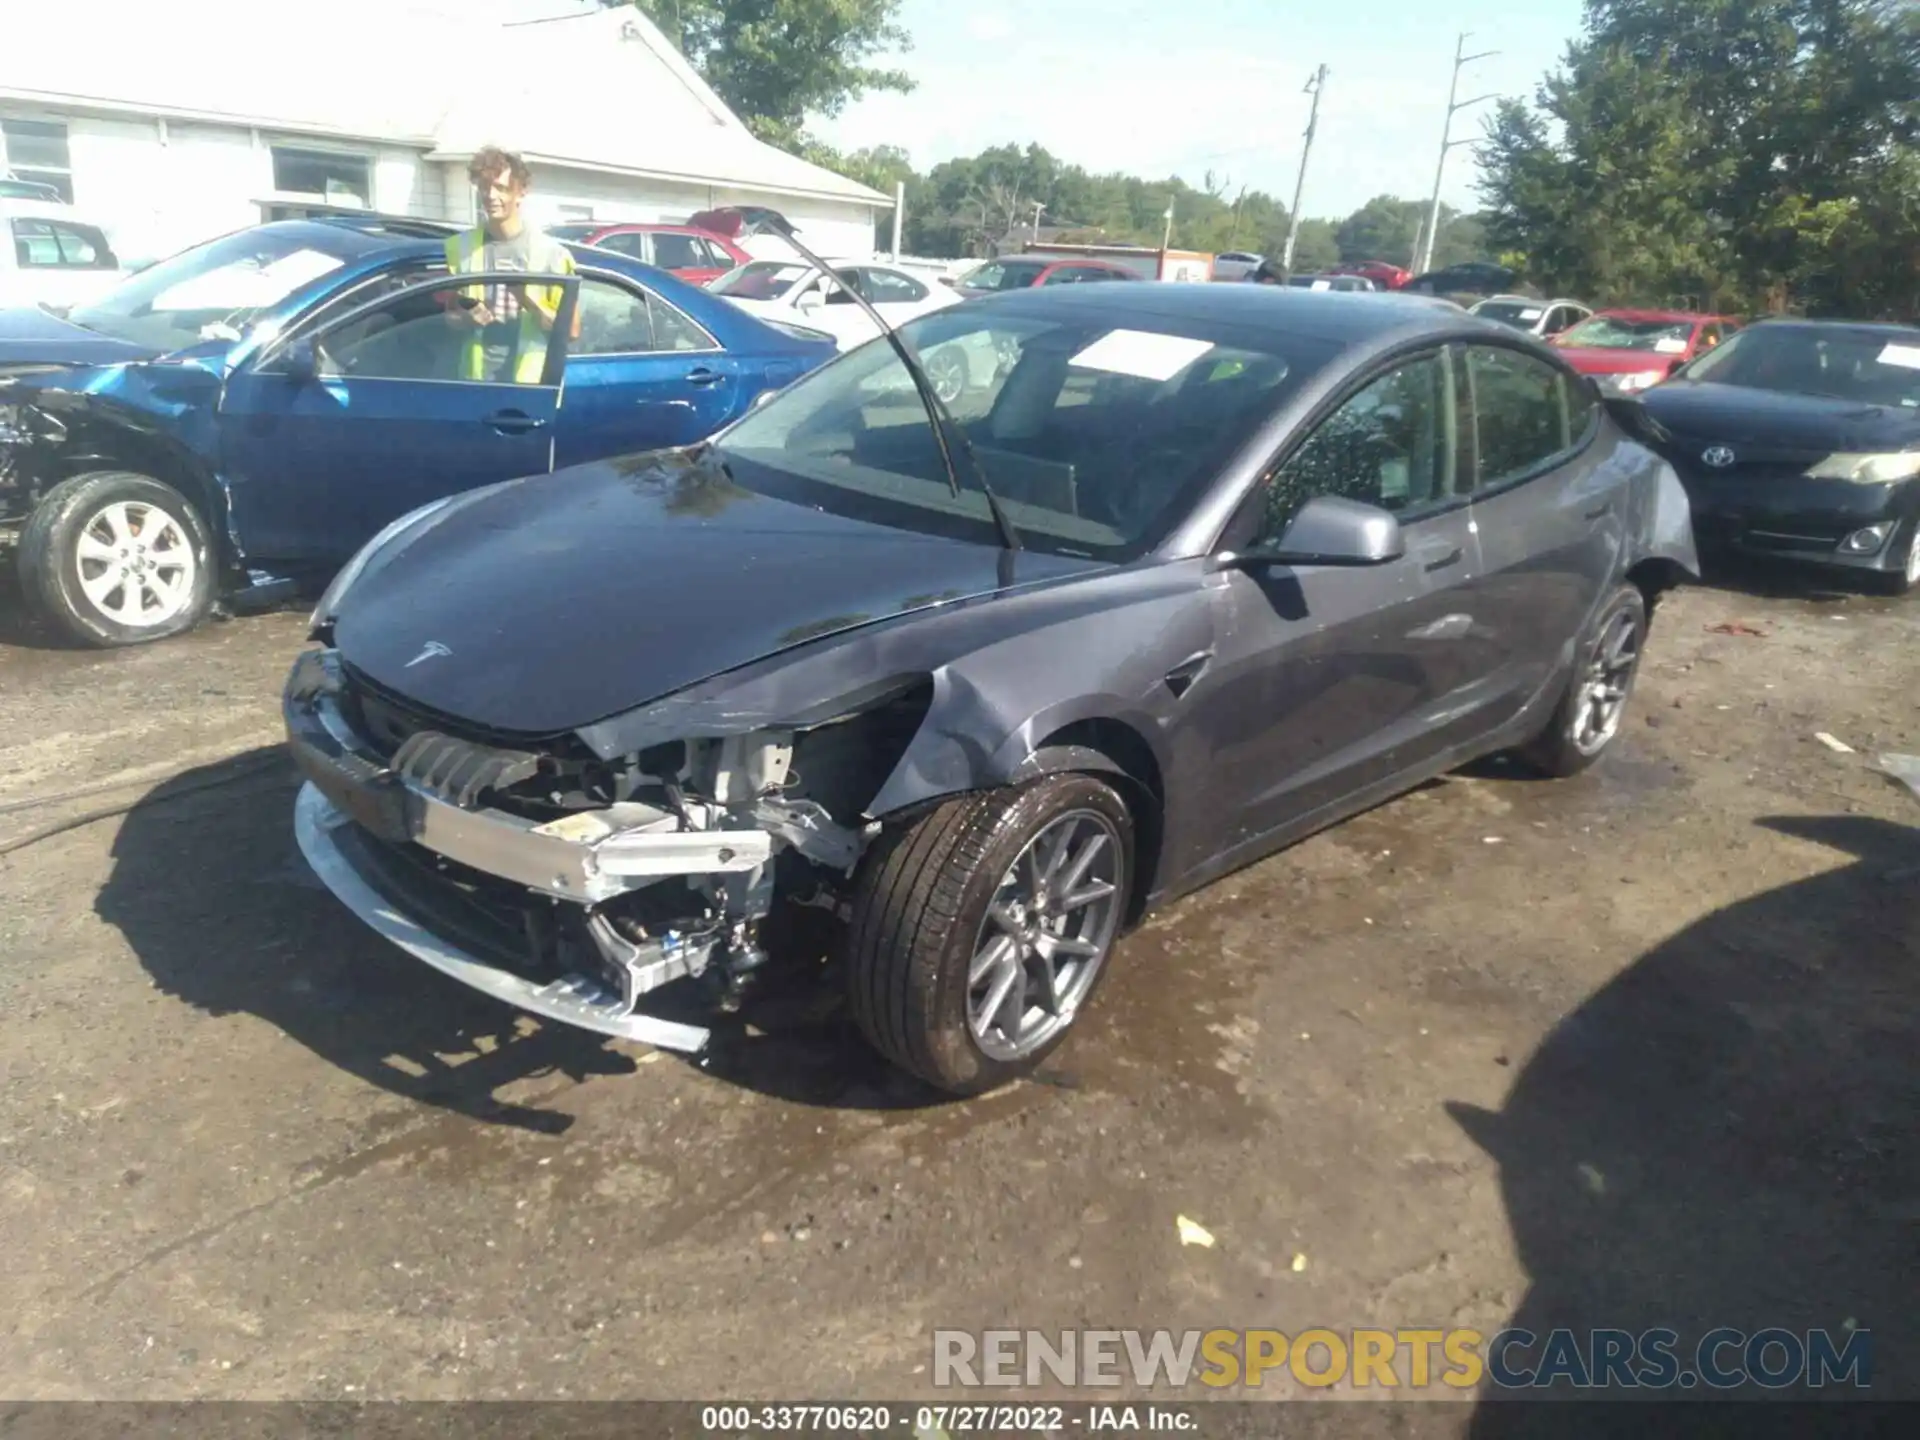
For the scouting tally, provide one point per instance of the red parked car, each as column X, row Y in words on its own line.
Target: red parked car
column 1382, row 274
column 1022, row 272
column 1627, row 351
column 694, row 255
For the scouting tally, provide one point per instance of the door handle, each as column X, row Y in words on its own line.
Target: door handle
column 704, row 376
column 514, row 422
column 1600, row 512
column 1452, row 557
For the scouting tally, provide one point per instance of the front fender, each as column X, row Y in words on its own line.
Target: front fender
column 1660, row 520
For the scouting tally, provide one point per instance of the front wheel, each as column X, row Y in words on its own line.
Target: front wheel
column 947, row 371
column 981, row 929
column 117, row 558
column 1588, row 717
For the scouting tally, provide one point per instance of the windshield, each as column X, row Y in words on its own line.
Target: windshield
column 1866, row 366
column 1613, row 332
column 1519, row 315
column 214, row 291
column 761, row 280
column 1096, row 438
column 1002, row 275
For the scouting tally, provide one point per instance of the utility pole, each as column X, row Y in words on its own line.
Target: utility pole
column 1166, row 238
column 1447, row 143
column 1314, row 87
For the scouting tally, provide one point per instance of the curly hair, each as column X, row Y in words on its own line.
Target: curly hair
column 488, row 162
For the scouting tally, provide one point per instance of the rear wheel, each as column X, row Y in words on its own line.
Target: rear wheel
column 1587, row 720
column 981, row 929
column 117, row 558
column 947, row 371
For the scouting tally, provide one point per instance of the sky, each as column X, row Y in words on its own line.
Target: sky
column 1159, row 87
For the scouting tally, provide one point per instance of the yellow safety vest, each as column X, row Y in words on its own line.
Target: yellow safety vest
column 464, row 255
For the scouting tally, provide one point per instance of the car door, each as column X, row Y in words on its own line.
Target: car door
column 318, row 456
column 1549, row 516
column 1326, row 680
column 640, row 375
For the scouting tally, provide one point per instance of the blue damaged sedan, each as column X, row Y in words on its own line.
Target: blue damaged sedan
column 235, row 422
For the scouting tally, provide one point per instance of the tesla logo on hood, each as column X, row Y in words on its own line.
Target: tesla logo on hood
column 427, row 652
column 1718, row 456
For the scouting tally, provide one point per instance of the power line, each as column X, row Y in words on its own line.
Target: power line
column 1447, row 143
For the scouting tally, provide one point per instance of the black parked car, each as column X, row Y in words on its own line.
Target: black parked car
column 1470, row 277
column 1259, row 558
column 1801, row 439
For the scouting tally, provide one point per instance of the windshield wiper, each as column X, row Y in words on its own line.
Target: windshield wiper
column 947, row 432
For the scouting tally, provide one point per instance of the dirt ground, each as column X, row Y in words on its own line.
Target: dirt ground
column 1628, row 1050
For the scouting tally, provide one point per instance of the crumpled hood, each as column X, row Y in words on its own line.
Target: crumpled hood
column 1589, row 361
column 1739, row 415
column 34, row 337
column 545, row 604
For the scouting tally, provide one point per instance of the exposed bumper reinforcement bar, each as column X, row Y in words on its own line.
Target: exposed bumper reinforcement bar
column 574, row 1000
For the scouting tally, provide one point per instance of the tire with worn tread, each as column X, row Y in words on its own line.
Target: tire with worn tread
column 920, row 898
column 50, row 562
column 1554, row 752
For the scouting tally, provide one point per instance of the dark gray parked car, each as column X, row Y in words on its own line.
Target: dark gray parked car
column 1276, row 556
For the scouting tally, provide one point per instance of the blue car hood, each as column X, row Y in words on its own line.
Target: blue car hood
column 35, row 337
column 543, row 605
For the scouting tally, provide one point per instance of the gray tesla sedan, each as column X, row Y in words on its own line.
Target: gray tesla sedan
column 1184, row 573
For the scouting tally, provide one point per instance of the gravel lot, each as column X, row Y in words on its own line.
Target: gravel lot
column 1628, row 1050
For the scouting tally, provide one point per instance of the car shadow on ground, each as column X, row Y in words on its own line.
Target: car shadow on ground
column 212, row 894
column 1725, row 1134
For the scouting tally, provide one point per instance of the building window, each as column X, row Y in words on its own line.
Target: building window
column 36, row 151
column 340, row 179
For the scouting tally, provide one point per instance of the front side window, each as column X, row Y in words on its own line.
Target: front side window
column 1097, row 439
column 1390, row 445
column 1519, row 412
column 410, row 337
column 617, row 321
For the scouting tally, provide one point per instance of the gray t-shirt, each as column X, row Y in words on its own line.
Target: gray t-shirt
column 500, row 338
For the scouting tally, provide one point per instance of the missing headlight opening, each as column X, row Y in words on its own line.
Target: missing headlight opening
column 591, row 882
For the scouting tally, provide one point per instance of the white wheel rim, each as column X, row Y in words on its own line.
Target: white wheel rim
column 949, row 375
column 136, row 564
column 1913, row 557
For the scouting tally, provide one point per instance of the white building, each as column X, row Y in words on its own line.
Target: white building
column 171, row 121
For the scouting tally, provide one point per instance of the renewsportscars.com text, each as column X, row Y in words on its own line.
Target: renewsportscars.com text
column 1380, row 1359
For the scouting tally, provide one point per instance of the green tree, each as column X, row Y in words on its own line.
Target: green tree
column 779, row 63
column 1720, row 152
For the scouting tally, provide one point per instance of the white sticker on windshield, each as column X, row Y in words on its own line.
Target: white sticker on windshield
column 1669, row 346
column 1142, row 354
column 1907, row 357
column 1531, row 314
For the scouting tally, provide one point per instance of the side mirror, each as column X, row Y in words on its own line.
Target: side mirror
column 299, row 362
column 1332, row 531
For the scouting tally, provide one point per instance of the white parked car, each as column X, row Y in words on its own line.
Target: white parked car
column 796, row 292
column 50, row 255
column 1544, row 318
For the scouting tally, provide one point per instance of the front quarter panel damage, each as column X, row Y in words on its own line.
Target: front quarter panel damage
column 1005, row 674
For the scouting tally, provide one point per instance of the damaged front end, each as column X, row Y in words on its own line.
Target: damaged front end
column 566, row 884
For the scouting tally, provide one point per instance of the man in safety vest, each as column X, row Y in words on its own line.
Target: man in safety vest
column 509, row 323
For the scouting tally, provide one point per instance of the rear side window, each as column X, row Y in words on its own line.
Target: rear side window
column 1520, row 412
column 625, row 243
column 678, row 252
column 60, row 245
column 890, row 287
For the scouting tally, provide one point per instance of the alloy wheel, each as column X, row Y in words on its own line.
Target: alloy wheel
column 136, row 564
column 1047, row 932
column 948, row 372
column 1606, row 684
